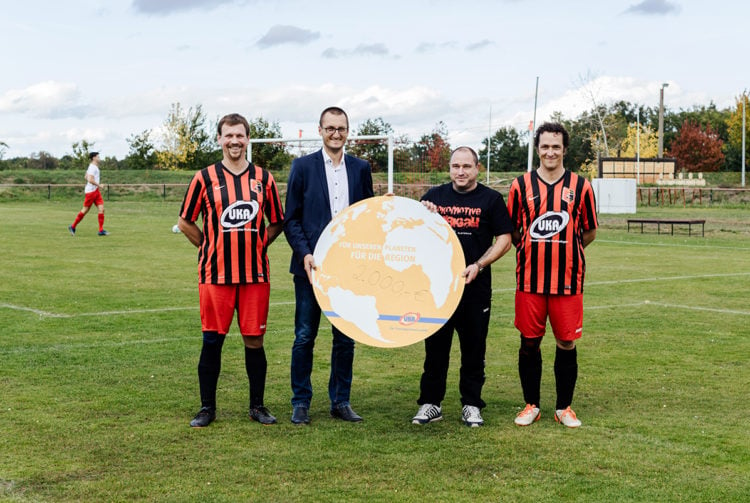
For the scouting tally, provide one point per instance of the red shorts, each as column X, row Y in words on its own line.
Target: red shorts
column 565, row 315
column 93, row 198
column 218, row 302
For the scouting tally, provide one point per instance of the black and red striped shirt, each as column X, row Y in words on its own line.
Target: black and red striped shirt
column 233, row 207
column 551, row 218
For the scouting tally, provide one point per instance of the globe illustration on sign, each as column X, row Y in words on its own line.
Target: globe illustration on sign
column 388, row 271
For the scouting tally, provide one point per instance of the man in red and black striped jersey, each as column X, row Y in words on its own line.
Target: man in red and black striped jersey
column 234, row 198
column 554, row 217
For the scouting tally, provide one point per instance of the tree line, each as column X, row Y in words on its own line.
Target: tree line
column 702, row 139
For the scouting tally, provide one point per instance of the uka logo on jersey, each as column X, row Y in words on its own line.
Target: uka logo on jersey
column 549, row 224
column 239, row 213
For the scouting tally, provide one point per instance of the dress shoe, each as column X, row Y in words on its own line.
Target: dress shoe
column 345, row 413
column 300, row 416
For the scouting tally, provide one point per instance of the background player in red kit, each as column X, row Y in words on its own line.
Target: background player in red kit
column 93, row 196
column 554, row 217
column 234, row 198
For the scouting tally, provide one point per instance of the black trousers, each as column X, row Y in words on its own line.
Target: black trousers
column 471, row 322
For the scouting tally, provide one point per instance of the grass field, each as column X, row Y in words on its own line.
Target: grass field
column 100, row 341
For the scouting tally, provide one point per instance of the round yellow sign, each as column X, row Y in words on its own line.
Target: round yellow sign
column 388, row 271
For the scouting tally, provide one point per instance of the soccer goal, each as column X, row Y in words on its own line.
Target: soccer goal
column 377, row 149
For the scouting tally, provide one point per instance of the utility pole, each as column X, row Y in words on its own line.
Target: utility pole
column 532, row 128
column 660, row 153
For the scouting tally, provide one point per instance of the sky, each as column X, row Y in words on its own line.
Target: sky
column 104, row 70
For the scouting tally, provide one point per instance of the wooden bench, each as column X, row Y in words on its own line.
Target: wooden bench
column 659, row 222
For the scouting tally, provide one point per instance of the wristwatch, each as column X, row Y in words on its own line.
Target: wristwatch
column 480, row 267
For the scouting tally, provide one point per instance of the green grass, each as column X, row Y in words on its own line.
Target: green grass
column 100, row 341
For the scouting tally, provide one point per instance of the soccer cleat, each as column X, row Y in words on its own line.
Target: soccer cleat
column 567, row 417
column 103, row 233
column 528, row 415
column 427, row 413
column 204, row 417
column 471, row 416
column 72, row 230
column 262, row 415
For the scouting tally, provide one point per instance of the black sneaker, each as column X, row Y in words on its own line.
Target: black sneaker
column 103, row 233
column 204, row 417
column 262, row 415
column 72, row 230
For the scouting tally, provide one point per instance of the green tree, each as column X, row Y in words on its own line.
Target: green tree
column 697, row 149
column 186, row 144
column 142, row 153
column 648, row 142
column 733, row 146
column 81, row 151
column 3, row 148
column 374, row 151
column 507, row 151
column 272, row 156
column 42, row 160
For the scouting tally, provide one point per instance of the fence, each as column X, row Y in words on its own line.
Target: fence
column 692, row 196
column 646, row 196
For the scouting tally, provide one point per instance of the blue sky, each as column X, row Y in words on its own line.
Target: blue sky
column 104, row 70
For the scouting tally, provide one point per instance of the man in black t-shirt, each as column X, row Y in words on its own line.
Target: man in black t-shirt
column 480, row 219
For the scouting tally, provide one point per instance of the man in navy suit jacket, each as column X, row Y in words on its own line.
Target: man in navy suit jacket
column 320, row 186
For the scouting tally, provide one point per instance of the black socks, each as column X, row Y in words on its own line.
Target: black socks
column 209, row 367
column 566, row 374
column 256, row 365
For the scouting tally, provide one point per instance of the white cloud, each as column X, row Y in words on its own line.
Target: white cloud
column 48, row 99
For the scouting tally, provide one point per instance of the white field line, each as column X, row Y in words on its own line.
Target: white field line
column 47, row 314
column 671, row 245
column 671, row 306
column 647, row 280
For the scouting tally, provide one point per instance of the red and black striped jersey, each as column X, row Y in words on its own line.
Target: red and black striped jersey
column 551, row 219
column 233, row 207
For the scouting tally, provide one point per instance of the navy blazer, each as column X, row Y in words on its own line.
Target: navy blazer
column 308, row 208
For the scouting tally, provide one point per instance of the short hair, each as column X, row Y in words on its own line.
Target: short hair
column 552, row 127
column 334, row 111
column 467, row 149
column 92, row 155
column 233, row 120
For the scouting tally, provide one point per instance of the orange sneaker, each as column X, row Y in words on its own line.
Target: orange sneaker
column 567, row 418
column 528, row 415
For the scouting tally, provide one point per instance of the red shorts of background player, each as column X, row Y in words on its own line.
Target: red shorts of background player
column 565, row 314
column 93, row 198
column 218, row 303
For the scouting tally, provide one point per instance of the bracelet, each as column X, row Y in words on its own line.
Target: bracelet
column 479, row 267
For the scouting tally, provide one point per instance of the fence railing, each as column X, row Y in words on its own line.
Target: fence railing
column 646, row 196
column 693, row 196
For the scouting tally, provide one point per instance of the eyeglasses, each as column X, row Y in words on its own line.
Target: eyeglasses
column 340, row 130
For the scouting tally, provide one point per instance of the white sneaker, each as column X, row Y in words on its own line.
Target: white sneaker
column 471, row 416
column 567, row 418
column 427, row 413
column 528, row 415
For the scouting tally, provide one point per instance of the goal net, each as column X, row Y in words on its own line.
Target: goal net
column 399, row 166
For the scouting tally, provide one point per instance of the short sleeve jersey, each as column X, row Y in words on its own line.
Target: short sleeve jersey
column 551, row 219
column 233, row 207
column 477, row 217
column 93, row 169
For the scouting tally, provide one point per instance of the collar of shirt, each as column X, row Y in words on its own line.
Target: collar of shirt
column 329, row 162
